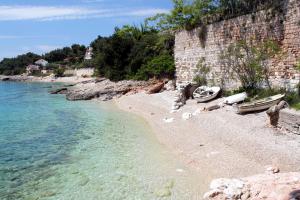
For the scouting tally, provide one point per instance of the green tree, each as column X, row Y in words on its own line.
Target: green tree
column 184, row 15
column 66, row 55
column 161, row 66
column 128, row 50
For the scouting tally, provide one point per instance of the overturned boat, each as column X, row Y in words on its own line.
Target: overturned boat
column 205, row 93
column 237, row 98
column 261, row 104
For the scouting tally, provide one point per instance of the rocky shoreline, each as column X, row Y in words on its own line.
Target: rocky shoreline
column 87, row 89
column 76, row 88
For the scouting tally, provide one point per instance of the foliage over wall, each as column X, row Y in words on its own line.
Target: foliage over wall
column 188, row 14
column 248, row 61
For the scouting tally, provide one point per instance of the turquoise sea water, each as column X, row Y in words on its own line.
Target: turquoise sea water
column 51, row 148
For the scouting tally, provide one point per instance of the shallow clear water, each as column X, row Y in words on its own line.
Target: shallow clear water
column 54, row 149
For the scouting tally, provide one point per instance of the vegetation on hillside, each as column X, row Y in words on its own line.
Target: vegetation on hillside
column 67, row 55
column 17, row 65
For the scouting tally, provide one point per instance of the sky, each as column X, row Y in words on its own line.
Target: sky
column 42, row 25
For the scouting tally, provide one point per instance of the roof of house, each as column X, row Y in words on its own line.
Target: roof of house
column 41, row 61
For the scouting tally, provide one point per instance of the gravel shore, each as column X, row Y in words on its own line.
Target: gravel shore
column 219, row 143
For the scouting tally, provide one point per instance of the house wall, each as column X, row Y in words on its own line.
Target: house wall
column 69, row 72
column 283, row 27
column 84, row 72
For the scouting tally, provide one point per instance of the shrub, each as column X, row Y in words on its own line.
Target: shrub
column 248, row 61
column 161, row 66
column 59, row 72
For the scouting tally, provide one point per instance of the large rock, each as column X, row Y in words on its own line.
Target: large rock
column 290, row 120
column 156, row 88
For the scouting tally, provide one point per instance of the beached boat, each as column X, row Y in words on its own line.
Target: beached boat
column 205, row 93
column 259, row 105
column 235, row 98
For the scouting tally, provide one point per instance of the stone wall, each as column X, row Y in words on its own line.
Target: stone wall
column 82, row 72
column 283, row 27
column 87, row 72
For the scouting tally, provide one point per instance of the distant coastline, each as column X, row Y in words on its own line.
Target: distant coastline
column 25, row 78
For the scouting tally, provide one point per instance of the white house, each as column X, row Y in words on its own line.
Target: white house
column 88, row 53
column 41, row 62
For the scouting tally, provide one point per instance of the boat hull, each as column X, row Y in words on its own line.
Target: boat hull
column 235, row 98
column 259, row 105
column 205, row 99
column 200, row 92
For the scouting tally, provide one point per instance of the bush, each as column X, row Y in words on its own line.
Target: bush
column 247, row 61
column 59, row 72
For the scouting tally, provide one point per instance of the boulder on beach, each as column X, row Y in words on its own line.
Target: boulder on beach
column 104, row 89
column 156, row 88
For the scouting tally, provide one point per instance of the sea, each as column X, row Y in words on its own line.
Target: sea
column 51, row 148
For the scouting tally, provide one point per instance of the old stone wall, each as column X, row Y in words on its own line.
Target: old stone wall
column 282, row 26
column 88, row 72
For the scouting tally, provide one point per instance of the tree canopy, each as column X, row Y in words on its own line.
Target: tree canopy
column 126, row 53
column 72, row 54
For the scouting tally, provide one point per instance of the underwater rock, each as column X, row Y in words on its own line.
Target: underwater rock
column 84, row 180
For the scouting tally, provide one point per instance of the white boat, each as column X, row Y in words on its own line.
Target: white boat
column 261, row 104
column 205, row 93
column 235, row 98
